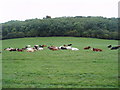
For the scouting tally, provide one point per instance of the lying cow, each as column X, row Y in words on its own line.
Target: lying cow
column 39, row 47
column 11, row 49
column 97, row 50
column 114, row 48
column 54, row 48
column 30, row 49
column 42, row 45
column 74, row 49
column 14, row 49
column 87, row 48
column 68, row 47
column 28, row 46
column 109, row 46
column 20, row 50
column 8, row 49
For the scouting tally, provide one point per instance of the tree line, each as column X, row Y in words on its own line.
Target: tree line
column 78, row 26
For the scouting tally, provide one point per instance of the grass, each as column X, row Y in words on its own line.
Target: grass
column 63, row 68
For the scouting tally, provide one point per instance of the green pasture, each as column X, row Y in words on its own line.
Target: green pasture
column 60, row 69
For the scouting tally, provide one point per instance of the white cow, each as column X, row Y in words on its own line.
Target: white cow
column 37, row 47
column 40, row 48
column 69, row 47
column 74, row 49
column 30, row 50
column 8, row 49
column 28, row 46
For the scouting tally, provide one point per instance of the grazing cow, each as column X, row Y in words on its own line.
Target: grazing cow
column 96, row 49
column 87, row 48
column 109, row 46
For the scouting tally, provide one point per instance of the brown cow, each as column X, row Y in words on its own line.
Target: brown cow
column 53, row 48
column 87, row 48
column 96, row 49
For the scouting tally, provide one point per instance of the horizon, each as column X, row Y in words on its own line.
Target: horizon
column 30, row 9
column 58, row 17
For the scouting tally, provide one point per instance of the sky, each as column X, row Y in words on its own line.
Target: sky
column 30, row 9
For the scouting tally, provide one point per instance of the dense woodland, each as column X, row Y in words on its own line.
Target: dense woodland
column 78, row 26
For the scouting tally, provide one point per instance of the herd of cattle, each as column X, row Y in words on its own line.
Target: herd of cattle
column 28, row 48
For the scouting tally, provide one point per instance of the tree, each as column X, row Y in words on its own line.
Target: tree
column 96, row 27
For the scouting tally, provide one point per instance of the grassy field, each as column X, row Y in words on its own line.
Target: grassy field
column 60, row 69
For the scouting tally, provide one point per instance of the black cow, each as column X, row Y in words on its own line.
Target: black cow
column 69, row 45
column 109, row 46
column 114, row 48
column 63, row 48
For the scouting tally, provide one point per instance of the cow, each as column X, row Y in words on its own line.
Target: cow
column 109, row 46
column 53, row 48
column 114, row 48
column 36, row 47
column 96, row 49
column 20, row 50
column 23, row 48
column 74, row 49
column 62, row 47
column 42, row 45
column 87, row 48
column 30, row 49
column 39, row 47
column 14, row 49
column 8, row 49
column 69, row 45
column 28, row 46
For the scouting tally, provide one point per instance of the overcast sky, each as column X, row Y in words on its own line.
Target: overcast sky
column 30, row 9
